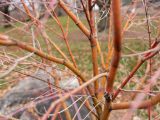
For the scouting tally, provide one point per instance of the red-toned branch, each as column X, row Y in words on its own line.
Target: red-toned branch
column 37, row 24
column 73, row 92
column 86, row 13
column 4, row 40
column 146, row 57
column 116, row 56
column 89, row 34
column 149, row 39
column 80, row 25
column 65, row 39
column 117, row 44
column 8, row 42
column 144, row 104
column 93, row 45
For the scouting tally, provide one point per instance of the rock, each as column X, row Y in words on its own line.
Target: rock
column 16, row 102
column 28, row 116
column 24, row 91
column 136, row 118
column 70, row 83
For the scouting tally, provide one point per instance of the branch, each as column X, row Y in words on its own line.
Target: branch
column 80, row 25
column 117, row 44
column 22, row 45
column 138, row 65
column 116, row 57
column 72, row 92
column 4, row 40
column 144, row 104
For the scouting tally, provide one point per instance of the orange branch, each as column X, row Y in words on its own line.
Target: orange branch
column 144, row 104
column 116, row 56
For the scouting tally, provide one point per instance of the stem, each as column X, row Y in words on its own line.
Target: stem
column 65, row 39
column 150, row 60
column 116, row 55
column 80, row 25
column 117, row 44
column 73, row 92
column 143, row 105
column 43, row 55
column 91, row 37
column 146, row 57
column 93, row 46
column 7, row 42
